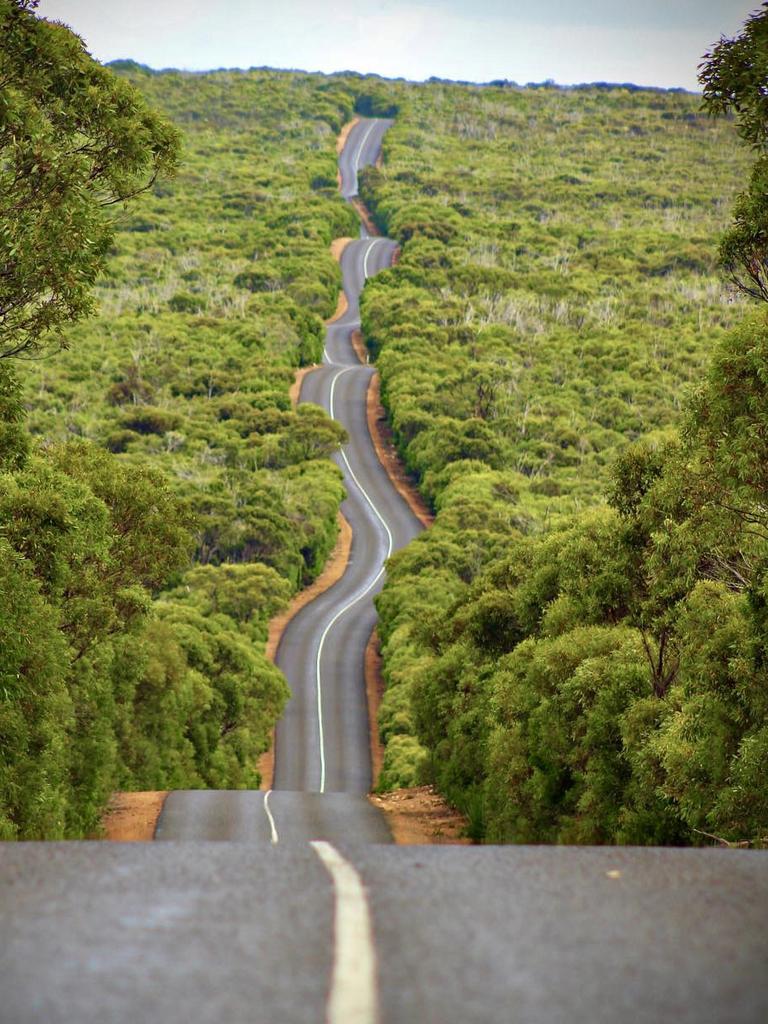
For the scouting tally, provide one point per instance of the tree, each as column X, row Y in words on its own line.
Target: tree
column 733, row 76
column 74, row 140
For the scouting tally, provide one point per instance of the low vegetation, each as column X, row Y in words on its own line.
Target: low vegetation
column 576, row 651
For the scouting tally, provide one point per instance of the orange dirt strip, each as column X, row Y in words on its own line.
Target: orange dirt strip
column 338, row 245
column 374, row 689
column 344, row 134
column 420, row 816
column 359, row 346
column 342, row 141
column 365, row 216
column 381, row 435
column 333, row 571
column 132, row 817
column 388, row 457
column 295, row 389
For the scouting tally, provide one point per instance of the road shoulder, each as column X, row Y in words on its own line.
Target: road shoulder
column 132, row 817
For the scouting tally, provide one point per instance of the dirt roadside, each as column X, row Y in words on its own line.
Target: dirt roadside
column 132, row 817
column 338, row 245
column 295, row 389
column 381, row 434
column 374, row 691
column 419, row 815
column 365, row 216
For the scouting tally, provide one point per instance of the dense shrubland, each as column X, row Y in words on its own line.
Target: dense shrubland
column 576, row 651
column 160, row 499
column 215, row 291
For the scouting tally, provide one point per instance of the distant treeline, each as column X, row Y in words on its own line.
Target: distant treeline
column 496, row 83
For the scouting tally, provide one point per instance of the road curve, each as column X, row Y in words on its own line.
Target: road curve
column 361, row 149
column 323, row 742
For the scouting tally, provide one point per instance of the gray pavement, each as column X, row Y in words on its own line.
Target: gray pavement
column 362, row 148
column 248, row 816
column 322, row 743
column 195, row 932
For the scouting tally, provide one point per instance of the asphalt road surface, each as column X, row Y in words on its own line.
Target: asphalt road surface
column 248, row 816
column 323, row 741
column 362, row 148
column 293, row 906
column 260, row 933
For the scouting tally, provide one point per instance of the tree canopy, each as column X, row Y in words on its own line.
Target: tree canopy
column 734, row 76
column 160, row 499
column 75, row 140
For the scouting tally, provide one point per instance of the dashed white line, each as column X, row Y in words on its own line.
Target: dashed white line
column 352, row 998
column 274, row 837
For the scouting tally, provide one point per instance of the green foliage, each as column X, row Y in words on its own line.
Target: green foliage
column 562, row 670
column 604, row 680
column 14, row 442
column 169, row 500
column 188, row 365
column 87, row 542
column 33, row 732
column 733, row 77
column 75, row 140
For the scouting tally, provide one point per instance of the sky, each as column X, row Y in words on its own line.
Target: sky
column 651, row 42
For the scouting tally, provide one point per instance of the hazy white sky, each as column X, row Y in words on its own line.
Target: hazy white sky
column 651, row 42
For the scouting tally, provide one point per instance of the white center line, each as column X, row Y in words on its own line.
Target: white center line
column 274, row 837
column 352, row 998
column 367, row 254
column 362, row 490
column 359, row 153
column 350, row 604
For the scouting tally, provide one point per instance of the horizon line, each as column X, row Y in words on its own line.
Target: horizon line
column 508, row 83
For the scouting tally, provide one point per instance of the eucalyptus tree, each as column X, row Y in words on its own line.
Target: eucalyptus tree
column 75, row 141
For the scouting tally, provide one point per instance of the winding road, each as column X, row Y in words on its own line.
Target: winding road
column 323, row 740
column 294, row 907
